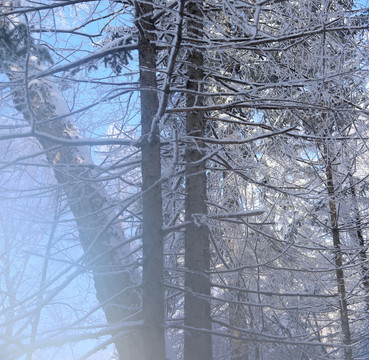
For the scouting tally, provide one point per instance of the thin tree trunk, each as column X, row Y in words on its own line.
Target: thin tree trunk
column 197, row 344
column 360, row 237
column 338, row 256
column 237, row 319
column 152, row 272
column 237, row 312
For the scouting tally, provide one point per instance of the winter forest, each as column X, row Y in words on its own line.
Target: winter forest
column 184, row 180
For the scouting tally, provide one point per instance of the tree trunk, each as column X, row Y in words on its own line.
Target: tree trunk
column 152, row 272
column 338, row 256
column 197, row 344
column 360, row 238
column 101, row 237
column 106, row 252
column 237, row 319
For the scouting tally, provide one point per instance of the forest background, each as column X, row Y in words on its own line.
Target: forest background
column 184, row 180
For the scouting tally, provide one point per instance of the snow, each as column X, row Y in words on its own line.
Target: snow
column 62, row 113
column 238, row 214
column 169, row 349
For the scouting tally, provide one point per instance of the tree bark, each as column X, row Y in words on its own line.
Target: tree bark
column 338, row 256
column 152, row 272
column 102, row 238
column 362, row 243
column 237, row 319
column 106, row 251
column 197, row 344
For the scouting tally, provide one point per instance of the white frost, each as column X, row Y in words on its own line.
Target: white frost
column 62, row 112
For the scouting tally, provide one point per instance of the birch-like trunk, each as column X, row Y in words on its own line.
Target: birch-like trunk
column 106, row 252
column 101, row 237
column 197, row 343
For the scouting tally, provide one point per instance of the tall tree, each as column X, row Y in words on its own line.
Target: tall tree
column 106, row 251
column 152, row 224
column 197, row 344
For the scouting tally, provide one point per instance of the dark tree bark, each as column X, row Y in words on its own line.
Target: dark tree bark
column 237, row 319
column 152, row 273
column 197, row 344
column 338, row 256
column 361, row 241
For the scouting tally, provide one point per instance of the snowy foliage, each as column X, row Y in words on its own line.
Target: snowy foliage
column 255, row 111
